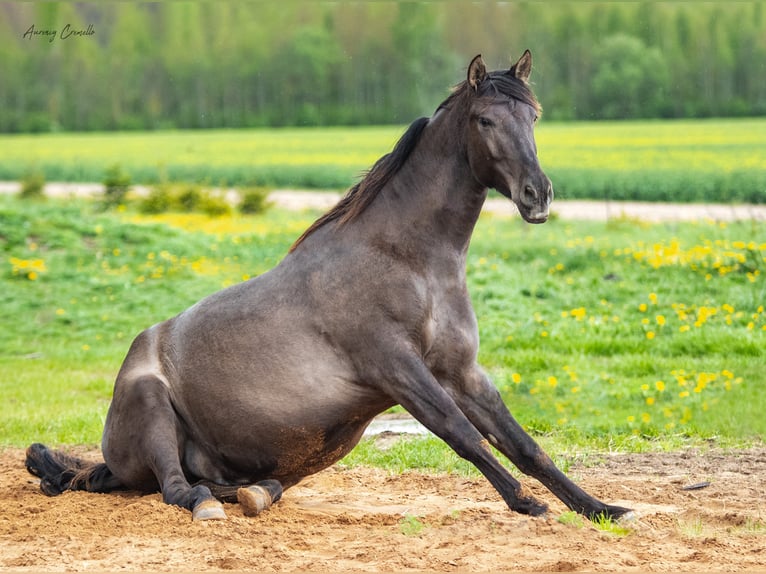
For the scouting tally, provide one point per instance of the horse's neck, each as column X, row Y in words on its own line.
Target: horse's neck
column 434, row 198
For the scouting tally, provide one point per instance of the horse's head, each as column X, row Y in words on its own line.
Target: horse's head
column 500, row 139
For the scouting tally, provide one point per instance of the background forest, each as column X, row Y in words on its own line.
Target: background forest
column 227, row 64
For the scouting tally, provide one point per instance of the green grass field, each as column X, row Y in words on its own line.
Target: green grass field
column 703, row 160
column 619, row 335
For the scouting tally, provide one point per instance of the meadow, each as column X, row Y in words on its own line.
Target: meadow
column 618, row 335
column 682, row 160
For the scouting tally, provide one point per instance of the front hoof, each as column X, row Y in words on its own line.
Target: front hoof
column 531, row 507
column 613, row 513
column 209, row 510
column 618, row 512
column 256, row 498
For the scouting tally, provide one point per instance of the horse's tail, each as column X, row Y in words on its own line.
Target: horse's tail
column 59, row 471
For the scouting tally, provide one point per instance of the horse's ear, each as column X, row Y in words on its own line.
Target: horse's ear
column 523, row 67
column 477, row 71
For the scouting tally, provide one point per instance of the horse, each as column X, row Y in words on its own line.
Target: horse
column 273, row 379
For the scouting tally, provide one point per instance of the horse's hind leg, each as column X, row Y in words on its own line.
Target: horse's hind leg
column 142, row 445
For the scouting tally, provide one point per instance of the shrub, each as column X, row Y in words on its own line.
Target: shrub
column 159, row 200
column 32, row 184
column 254, row 200
column 116, row 186
column 190, row 198
column 214, row 205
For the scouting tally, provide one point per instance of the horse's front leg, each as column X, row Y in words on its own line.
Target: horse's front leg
column 409, row 382
column 478, row 398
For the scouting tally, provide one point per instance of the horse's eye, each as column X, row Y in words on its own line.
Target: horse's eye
column 486, row 122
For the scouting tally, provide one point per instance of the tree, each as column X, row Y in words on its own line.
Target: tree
column 630, row 80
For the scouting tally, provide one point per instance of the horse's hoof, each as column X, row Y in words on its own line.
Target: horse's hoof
column 255, row 498
column 209, row 510
column 627, row 517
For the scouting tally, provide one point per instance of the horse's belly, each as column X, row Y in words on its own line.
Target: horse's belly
column 287, row 453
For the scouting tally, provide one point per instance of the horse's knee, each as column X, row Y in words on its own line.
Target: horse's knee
column 531, row 459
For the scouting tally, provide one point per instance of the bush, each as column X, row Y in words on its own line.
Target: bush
column 214, row 205
column 190, row 198
column 116, row 186
column 159, row 200
column 254, row 200
column 32, row 185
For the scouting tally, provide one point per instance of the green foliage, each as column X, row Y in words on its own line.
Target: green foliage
column 116, row 186
column 189, row 198
column 214, row 205
column 33, row 184
column 411, row 525
column 254, row 200
column 159, row 200
column 571, row 518
column 639, row 75
column 308, row 63
column 605, row 523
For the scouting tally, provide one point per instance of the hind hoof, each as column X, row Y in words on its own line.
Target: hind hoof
column 256, row 498
column 209, row 510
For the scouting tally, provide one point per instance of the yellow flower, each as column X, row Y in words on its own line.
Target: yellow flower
column 578, row 313
column 645, row 417
column 516, row 378
column 650, row 335
column 642, row 307
column 553, row 381
column 650, row 401
column 659, row 385
column 660, row 320
column 653, row 298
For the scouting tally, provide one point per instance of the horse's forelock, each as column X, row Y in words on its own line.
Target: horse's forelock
column 505, row 84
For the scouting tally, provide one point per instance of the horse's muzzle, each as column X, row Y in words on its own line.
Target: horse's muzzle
column 535, row 200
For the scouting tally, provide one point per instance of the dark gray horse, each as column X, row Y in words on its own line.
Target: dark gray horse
column 276, row 378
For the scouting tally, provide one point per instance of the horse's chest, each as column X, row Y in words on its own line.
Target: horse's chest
column 450, row 334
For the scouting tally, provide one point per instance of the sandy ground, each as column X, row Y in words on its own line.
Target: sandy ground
column 353, row 520
column 567, row 209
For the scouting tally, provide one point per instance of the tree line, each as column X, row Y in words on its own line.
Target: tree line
column 114, row 66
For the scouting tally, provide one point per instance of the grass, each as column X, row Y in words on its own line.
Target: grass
column 702, row 160
column 614, row 336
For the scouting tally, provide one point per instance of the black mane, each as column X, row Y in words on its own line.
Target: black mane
column 361, row 195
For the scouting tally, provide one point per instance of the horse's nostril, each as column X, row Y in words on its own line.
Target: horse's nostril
column 529, row 197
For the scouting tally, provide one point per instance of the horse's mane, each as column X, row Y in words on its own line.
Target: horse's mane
column 361, row 195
